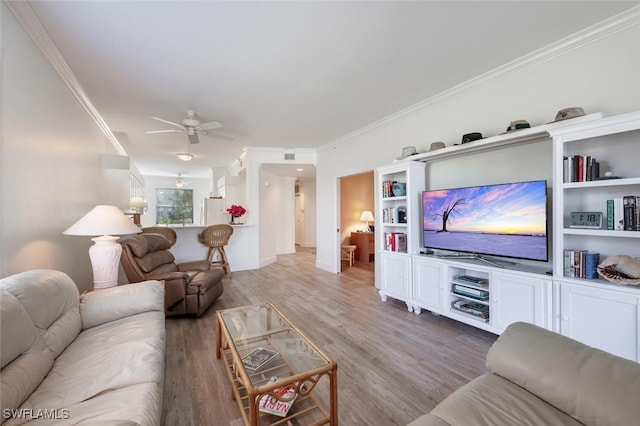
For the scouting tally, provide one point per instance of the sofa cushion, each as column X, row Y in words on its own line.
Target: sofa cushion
column 52, row 301
column 155, row 259
column 25, row 358
column 593, row 386
column 490, row 400
column 105, row 359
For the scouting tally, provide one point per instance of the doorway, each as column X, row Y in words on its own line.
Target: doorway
column 357, row 195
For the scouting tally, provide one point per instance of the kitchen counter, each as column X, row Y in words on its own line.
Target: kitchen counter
column 240, row 250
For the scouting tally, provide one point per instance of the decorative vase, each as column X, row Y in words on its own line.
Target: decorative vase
column 233, row 220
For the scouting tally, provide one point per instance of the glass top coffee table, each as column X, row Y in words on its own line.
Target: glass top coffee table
column 274, row 368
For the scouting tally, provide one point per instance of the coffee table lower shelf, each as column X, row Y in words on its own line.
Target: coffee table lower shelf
column 306, row 410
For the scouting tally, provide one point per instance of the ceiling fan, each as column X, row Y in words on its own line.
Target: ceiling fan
column 192, row 127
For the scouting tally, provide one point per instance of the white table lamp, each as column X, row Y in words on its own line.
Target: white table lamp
column 138, row 206
column 106, row 222
column 367, row 217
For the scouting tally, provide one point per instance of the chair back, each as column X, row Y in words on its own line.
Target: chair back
column 146, row 254
column 165, row 231
column 216, row 235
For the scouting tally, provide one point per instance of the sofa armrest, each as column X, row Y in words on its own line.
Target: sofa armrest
column 592, row 386
column 106, row 305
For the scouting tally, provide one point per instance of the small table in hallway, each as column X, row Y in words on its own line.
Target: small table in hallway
column 297, row 363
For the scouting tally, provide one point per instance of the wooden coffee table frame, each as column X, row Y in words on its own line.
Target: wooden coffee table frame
column 242, row 382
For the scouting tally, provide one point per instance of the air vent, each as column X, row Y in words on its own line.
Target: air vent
column 289, row 156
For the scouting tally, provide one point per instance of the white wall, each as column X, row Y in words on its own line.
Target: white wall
column 601, row 75
column 50, row 165
column 284, row 207
column 307, row 189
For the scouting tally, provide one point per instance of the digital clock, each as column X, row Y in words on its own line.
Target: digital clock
column 587, row 220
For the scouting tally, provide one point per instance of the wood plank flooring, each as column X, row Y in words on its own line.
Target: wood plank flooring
column 393, row 365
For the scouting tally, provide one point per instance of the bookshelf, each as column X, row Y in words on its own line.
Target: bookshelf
column 586, row 308
column 400, row 186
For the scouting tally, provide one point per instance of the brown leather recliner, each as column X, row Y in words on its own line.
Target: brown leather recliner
column 190, row 288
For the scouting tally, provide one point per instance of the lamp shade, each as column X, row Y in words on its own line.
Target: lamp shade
column 366, row 216
column 137, row 203
column 103, row 220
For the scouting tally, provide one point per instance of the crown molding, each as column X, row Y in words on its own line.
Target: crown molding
column 589, row 35
column 25, row 15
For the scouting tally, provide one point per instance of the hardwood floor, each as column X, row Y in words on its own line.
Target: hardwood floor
column 393, row 365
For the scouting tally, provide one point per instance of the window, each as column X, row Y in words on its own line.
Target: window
column 174, row 206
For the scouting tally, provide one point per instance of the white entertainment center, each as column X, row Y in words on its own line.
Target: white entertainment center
column 594, row 311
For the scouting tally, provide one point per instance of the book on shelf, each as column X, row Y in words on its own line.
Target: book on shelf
column 257, row 358
column 623, row 213
column 580, row 168
column 281, row 403
column 387, row 188
column 402, row 214
column 580, row 264
column 618, row 214
column 629, row 207
column 395, row 214
column 396, row 241
column 481, row 282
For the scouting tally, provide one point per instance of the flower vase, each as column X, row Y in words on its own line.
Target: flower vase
column 233, row 220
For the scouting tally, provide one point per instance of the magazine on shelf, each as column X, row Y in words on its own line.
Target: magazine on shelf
column 257, row 358
column 468, row 279
column 272, row 405
column 473, row 308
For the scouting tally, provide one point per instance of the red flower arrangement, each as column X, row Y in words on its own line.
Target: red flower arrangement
column 236, row 211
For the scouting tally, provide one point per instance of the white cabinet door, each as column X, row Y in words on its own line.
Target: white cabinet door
column 516, row 297
column 605, row 319
column 395, row 270
column 428, row 286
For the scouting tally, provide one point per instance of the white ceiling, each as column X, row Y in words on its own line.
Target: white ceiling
column 285, row 74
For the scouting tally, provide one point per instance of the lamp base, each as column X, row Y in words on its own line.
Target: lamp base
column 105, row 258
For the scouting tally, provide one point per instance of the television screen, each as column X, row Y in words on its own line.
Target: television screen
column 507, row 220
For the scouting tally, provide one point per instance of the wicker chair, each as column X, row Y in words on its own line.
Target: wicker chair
column 216, row 237
column 166, row 232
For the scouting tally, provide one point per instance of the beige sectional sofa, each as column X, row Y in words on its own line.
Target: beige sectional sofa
column 69, row 359
column 537, row 377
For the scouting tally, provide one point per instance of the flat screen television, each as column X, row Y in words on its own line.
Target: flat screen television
column 506, row 220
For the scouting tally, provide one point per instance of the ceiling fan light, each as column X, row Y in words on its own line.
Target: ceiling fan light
column 179, row 183
column 184, row 156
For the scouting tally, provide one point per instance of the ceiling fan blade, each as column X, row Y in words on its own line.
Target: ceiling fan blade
column 221, row 136
column 194, row 138
column 168, row 122
column 164, row 131
column 210, row 125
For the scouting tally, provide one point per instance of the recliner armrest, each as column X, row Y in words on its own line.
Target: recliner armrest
column 169, row 276
column 196, row 265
